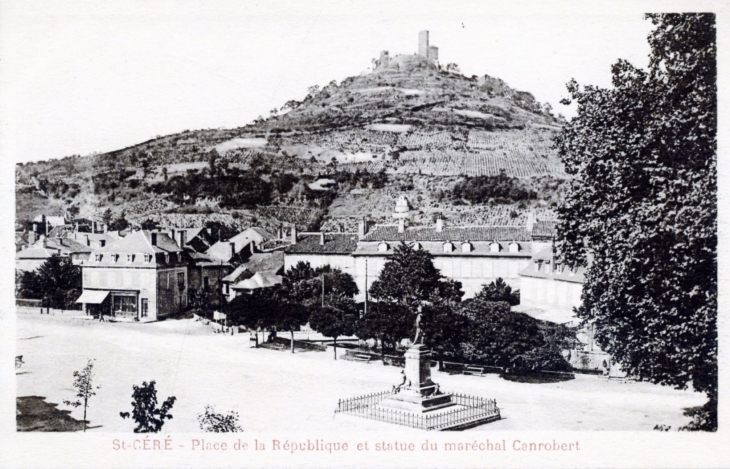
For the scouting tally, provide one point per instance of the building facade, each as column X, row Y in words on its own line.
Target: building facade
column 142, row 277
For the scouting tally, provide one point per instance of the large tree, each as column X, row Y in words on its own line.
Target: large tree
column 641, row 212
column 409, row 284
column 57, row 280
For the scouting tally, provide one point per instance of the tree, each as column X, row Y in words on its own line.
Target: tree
column 499, row 290
column 212, row 422
column 145, row 412
column 150, row 225
column 107, row 217
column 336, row 319
column 84, row 384
column 444, row 330
column 411, row 280
column 57, row 280
column 498, row 336
column 408, row 283
column 254, row 311
column 386, row 322
column 641, row 212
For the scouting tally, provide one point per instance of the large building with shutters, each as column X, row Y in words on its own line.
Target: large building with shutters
column 141, row 277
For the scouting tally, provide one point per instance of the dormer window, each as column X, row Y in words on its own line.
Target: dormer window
column 417, row 246
column 97, row 257
column 495, row 247
column 115, row 257
column 466, row 246
column 514, row 247
column 383, row 246
column 448, row 246
column 148, row 258
column 102, row 243
column 130, row 257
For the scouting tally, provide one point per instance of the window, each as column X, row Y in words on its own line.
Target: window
column 169, row 280
column 466, row 246
column 115, row 257
column 148, row 258
column 97, row 257
column 102, row 243
column 130, row 257
column 448, row 246
column 383, row 247
column 495, row 247
column 145, row 307
column 228, row 289
column 514, row 247
column 181, row 280
column 124, row 305
column 206, row 283
column 416, row 246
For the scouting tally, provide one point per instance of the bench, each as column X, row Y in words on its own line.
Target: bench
column 362, row 357
column 474, row 370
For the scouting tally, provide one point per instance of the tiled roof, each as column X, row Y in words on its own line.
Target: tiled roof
column 265, row 262
column 449, row 233
column 259, row 280
column 36, row 252
column 544, row 229
column 436, row 248
column 140, row 242
column 540, row 270
column 334, row 243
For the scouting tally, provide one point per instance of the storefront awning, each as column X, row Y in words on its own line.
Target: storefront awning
column 93, row 296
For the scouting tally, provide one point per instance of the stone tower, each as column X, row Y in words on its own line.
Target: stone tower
column 423, row 44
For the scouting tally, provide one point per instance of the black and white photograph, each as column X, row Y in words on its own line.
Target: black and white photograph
column 362, row 234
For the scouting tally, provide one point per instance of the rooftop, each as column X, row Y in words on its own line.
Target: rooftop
column 449, row 233
column 334, row 243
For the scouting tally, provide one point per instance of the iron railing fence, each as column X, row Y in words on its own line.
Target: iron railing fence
column 470, row 410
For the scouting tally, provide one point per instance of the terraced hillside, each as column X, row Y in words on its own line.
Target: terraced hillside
column 408, row 128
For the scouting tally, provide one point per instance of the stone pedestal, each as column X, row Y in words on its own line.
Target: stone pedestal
column 418, row 394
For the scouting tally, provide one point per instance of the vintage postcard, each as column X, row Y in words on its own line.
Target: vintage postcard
column 363, row 234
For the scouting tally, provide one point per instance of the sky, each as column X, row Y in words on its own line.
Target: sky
column 79, row 77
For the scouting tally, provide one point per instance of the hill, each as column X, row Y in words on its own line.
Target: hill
column 470, row 148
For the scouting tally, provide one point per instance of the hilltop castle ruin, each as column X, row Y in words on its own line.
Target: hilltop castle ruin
column 425, row 51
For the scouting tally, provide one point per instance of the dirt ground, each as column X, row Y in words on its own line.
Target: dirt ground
column 276, row 390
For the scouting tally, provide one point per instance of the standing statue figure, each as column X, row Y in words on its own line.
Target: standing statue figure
column 418, row 328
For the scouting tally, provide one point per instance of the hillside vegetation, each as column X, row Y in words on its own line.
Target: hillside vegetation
column 344, row 151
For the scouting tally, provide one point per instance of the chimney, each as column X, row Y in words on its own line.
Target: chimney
column 32, row 237
column 321, row 239
column 43, row 241
column 294, row 234
column 401, row 225
column 280, row 232
column 252, row 245
column 362, row 229
column 46, row 227
column 182, row 235
column 153, row 239
column 439, row 224
column 35, row 227
column 88, row 241
column 103, row 228
column 233, row 248
column 76, row 227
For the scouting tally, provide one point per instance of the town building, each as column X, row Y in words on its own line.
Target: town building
column 238, row 248
column 143, row 277
column 319, row 249
column 268, row 264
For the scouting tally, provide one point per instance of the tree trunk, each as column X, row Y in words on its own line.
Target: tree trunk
column 335, row 347
column 257, row 339
column 382, row 351
column 85, row 401
column 292, row 341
